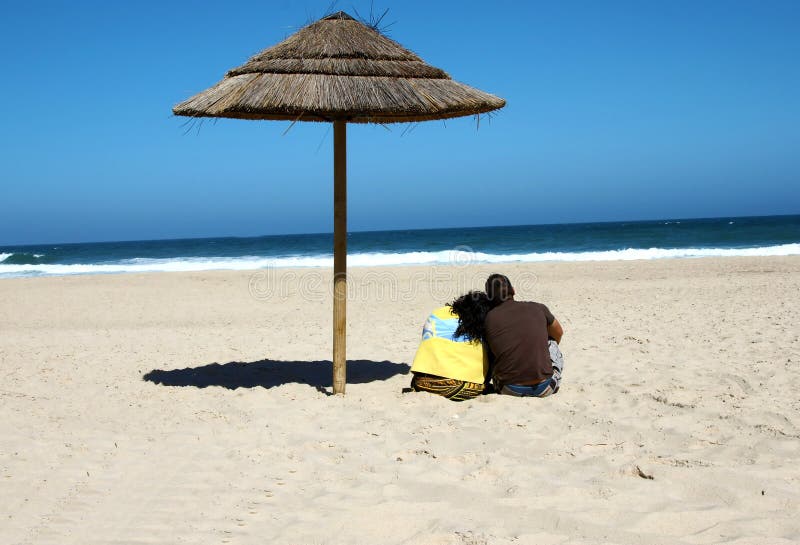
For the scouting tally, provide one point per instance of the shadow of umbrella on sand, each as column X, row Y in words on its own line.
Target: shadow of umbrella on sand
column 338, row 70
column 273, row 373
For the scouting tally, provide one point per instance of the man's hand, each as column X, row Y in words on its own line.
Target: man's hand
column 555, row 331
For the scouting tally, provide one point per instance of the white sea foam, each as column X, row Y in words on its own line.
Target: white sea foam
column 448, row 257
column 3, row 257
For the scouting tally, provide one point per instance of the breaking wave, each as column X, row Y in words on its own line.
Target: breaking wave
column 448, row 257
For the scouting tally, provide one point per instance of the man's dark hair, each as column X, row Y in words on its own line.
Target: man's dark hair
column 498, row 288
column 471, row 310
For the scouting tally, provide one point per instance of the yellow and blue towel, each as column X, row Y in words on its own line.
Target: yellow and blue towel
column 442, row 354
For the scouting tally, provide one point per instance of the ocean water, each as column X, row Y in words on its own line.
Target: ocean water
column 740, row 236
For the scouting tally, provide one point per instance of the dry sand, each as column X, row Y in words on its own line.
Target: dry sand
column 685, row 371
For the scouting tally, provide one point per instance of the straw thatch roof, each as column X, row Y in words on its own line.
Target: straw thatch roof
column 338, row 69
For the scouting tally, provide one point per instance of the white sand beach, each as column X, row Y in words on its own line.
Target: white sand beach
column 125, row 418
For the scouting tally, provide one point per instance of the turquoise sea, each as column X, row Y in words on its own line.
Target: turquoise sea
column 668, row 238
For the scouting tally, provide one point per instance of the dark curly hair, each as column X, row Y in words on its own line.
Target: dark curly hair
column 471, row 310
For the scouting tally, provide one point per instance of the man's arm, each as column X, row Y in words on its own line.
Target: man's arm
column 555, row 331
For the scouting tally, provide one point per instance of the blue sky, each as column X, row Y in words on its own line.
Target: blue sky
column 616, row 110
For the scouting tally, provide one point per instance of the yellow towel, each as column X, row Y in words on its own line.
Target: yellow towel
column 442, row 355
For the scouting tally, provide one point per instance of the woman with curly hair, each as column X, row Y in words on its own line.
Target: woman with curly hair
column 451, row 360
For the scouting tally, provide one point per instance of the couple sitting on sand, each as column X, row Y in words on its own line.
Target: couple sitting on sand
column 488, row 337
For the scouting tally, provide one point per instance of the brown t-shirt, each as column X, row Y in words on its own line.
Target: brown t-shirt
column 516, row 332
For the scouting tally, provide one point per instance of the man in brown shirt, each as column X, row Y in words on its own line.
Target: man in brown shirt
column 523, row 338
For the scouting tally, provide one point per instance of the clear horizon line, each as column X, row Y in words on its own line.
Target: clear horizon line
column 394, row 230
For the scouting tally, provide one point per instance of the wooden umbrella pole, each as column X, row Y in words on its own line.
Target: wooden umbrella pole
column 339, row 255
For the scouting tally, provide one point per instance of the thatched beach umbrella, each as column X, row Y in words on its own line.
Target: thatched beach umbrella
column 341, row 71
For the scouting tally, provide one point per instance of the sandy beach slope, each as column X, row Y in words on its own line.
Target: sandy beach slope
column 193, row 408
